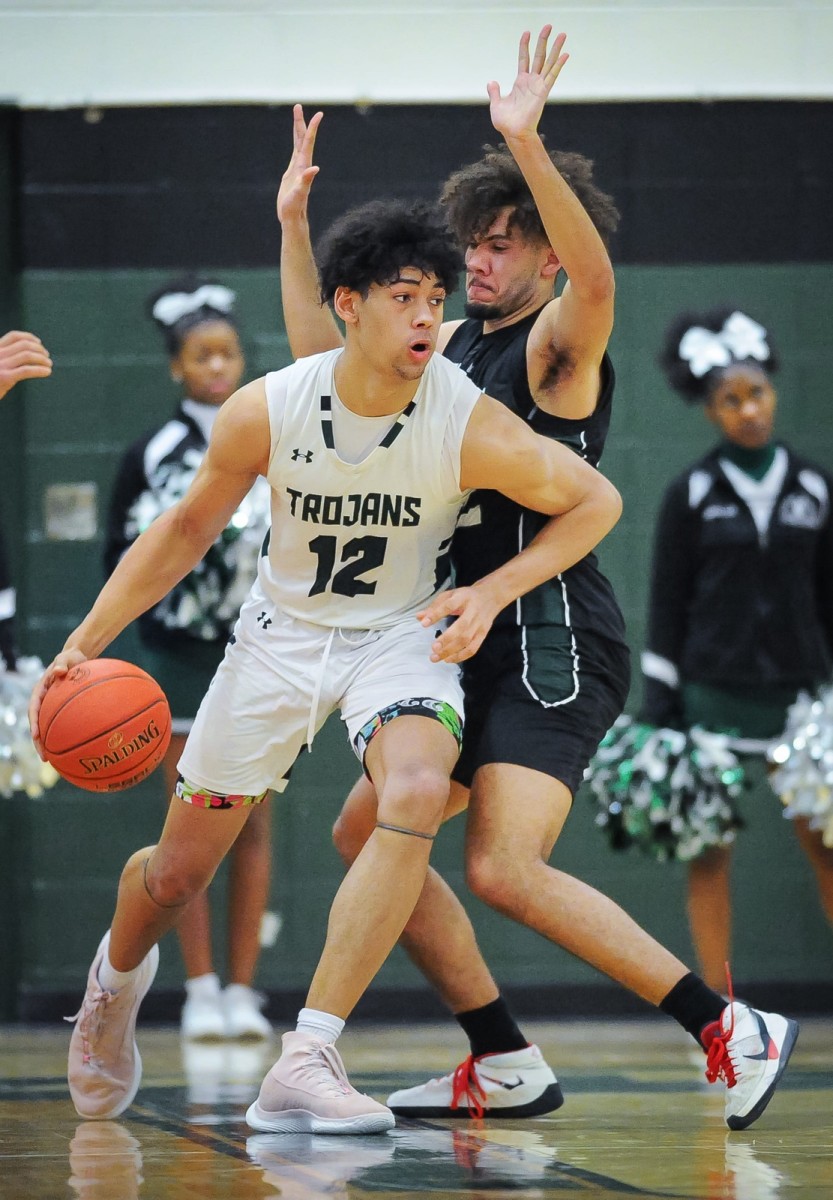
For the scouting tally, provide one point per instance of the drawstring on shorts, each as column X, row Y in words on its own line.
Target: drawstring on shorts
column 364, row 635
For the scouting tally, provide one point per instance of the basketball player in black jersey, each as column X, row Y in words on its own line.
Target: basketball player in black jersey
column 553, row 673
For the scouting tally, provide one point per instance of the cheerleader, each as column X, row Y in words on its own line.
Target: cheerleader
column 741, row 603
column 184, row 636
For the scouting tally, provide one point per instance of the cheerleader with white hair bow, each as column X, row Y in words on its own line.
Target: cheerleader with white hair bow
column 740, row 622
column 184, row 636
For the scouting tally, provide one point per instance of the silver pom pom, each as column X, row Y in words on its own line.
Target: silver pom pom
column 673, row 794
column 21, row 770
column 803, row 761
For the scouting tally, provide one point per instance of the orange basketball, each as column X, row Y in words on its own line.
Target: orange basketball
column 105, row 725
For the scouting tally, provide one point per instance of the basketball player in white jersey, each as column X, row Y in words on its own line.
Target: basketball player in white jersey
column 370, row 450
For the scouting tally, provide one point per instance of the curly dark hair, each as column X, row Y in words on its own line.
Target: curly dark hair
column 474, row 195
column 374, row 242
column 175, row 333
column 696, row 388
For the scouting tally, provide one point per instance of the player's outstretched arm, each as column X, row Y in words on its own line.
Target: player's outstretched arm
column 502, row 453
column 176, row 541
column 582, row 319
column 22, row 356
column 310, row 325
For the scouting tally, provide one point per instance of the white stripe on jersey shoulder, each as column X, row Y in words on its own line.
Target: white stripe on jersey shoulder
column 654, row 666
column 699, row 485
column 162, row 443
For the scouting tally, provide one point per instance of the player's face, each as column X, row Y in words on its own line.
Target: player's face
column 399, row 322
column 210, row 362
column 742, row 406
column 504, row 271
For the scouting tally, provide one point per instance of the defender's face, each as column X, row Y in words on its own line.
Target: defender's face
column 210, row 363
column 503, row 271
column 742, row 406
column 398, row 322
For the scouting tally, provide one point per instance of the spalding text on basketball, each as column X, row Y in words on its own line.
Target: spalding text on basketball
column 148, row 735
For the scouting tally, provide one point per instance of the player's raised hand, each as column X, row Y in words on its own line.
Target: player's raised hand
column 293, row 193
column 474, row 610
column 22, row 356
column 519, row 112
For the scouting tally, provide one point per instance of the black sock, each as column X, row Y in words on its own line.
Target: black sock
column 693, row 1005
column 492, row 1029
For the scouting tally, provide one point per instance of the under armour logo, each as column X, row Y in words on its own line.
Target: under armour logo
column 263, row 621
column 306, row 455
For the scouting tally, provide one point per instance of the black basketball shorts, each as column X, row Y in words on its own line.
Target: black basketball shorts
column 507, row 721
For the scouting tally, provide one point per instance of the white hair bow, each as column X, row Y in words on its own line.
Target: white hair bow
column 171, row 307
column 740, row 338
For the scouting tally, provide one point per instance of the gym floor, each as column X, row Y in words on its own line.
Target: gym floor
column 639, row 1120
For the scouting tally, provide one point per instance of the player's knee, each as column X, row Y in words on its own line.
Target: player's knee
column 415, row 797
column 489, row 880
column 172, row 882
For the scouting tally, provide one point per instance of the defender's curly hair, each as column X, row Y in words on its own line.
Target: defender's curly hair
column 474, row 195
column 698, row 347
column 188, row 301
column 374, row 242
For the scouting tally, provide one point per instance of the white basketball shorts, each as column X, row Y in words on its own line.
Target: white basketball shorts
column 281, row 678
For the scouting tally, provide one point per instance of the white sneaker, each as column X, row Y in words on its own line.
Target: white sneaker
column 241, row 1011
column 203, row 1018
column 516, row 1084
column 307, row 1091
column 749, row 1051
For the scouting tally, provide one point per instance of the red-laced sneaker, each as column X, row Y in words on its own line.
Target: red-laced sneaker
column 516, row 1084
column 748, row 1050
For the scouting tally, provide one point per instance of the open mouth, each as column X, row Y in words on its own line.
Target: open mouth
column 420, row 347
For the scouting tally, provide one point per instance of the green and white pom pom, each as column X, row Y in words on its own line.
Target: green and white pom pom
column 803, row 760
column 21, row 770
column 672, row 794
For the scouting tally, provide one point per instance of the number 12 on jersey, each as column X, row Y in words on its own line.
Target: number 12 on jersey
column 359, row 555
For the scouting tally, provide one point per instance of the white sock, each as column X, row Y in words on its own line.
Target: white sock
column 203, row 985
column 111, row 979
column 320, row 1024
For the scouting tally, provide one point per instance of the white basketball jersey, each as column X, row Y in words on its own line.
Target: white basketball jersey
column 361, row 545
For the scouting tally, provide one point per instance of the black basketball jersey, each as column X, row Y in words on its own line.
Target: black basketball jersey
column 492, row 528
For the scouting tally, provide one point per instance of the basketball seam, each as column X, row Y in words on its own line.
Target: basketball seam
column 104, row 732
column 86, row 686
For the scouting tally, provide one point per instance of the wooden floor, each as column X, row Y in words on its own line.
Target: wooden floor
column 639, row 1121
